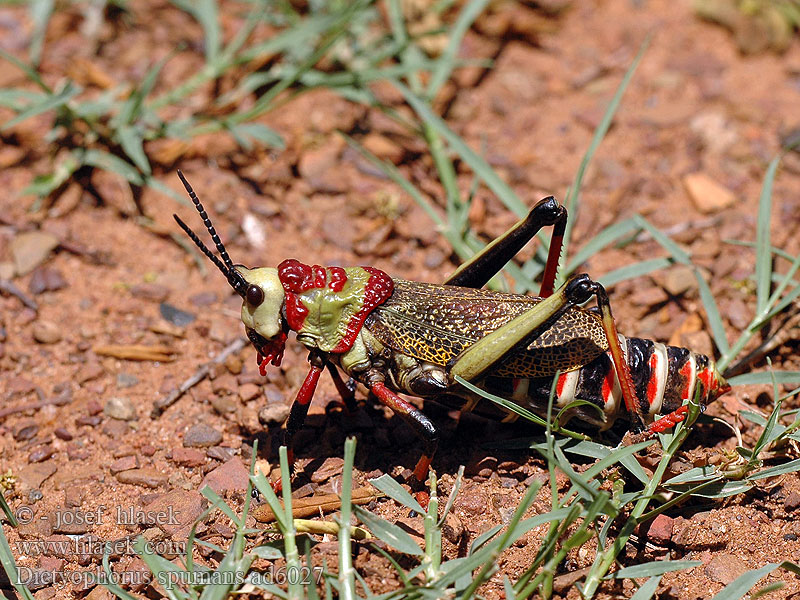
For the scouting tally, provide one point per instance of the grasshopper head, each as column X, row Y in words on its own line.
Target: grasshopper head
column 260, row 289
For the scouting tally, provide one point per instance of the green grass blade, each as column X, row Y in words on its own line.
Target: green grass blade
column 346, row 578
column 714, row 320
column 606, row 237
column 633, row 271
column 162, row 569
column 742, row 584
column 206, row 13
column 763, row 255
column 130, row 139
column 763, row 377
column 389, row 533
column 789, row 467
column 651, row 569
column 447, row 61
column 50, row 103
column 29, row 71
column 479, row 166
column 10, row 567
column 396, row 492
column 571, row 201
column 648, row 589
column 40, row 11
column 108, row 162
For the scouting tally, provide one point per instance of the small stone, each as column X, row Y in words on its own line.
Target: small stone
column 148, row 450
column 30, row 249
column 708, row 195
column 452, row 528
column 228, row 477
column 88, row 421
column 249, row 392
column 73, row 522
column 32, row 476
column 46, row 332
column 678, row 280
column 25, row 431
column 223, row 404
column 126, row 463
column 724, row 568
column 18, row 386
column 120, row 408
column 46, row 279
column 62, row 434
column 331, row 467
column 188, row 457
column 792, row 501
column 220, row 453
column 234, row 364
column 176, row 316
column 89, row 372
column 175, row 512
column 150, row 291
column 473, row 501
column 115, row 429
column 203, row 299
column 145, row 477
column 273, row 414
column 41, row 454
column 383, row 147
column 126, row 380
column 660, row 531
column 201, row 436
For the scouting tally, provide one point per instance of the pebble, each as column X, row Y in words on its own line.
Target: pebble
column 221, row 453
column 62, row 434
column 25, row 431
column 273, row 414
column 71, row 522
column 228, row 477
column 41, row 454
column 452, row 528
column 120, row 408
column 223, row 404
column 30, row 249
column 126, row 463
column 183, row 507
column 660, row 531
column 32, row 476
column 331, row 467
column 89, row 372
column 792, row 501
column 473, row 501
column 249, row 391
column 724, row 568
column 708, row 195
column 175, row 315
column 188, row 457
column 201, row 436
column 126, row 380
column 203, row 299
column 114, row 428
column 150, row 291
column 46, row 332
column 145, row 477
column 678, row 280
column 88, row 421
column 46, row 279
column 18, row 386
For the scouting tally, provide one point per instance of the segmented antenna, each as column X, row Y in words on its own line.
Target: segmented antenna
column 225, row 265
column 207, row 222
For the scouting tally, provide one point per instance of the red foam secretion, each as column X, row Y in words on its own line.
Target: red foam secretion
column 379, row 287
column 272, row 352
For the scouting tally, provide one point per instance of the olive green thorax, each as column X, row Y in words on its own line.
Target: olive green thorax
column 331, row 315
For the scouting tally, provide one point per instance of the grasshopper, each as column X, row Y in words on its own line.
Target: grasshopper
column 393, row 335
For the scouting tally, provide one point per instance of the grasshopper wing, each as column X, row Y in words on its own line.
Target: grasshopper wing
column 435, row 323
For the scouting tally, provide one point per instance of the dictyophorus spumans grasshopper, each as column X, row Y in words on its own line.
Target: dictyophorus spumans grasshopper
column 415, row 338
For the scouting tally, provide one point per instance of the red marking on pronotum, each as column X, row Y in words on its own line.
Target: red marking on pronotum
column 652, row 384
column 379, row 287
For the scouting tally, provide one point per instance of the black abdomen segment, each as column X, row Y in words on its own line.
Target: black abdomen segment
column 663, row 377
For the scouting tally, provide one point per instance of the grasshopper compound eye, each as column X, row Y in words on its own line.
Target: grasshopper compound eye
column 254, row 295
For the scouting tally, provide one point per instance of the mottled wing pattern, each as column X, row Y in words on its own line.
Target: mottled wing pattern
column 435, row 323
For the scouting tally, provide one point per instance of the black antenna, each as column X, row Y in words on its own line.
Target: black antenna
column 207, row 222
column 225, row 265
